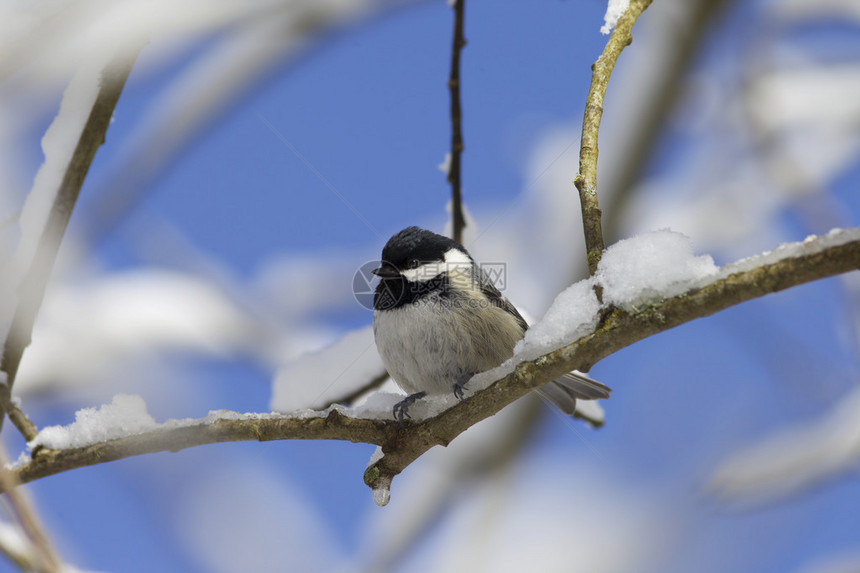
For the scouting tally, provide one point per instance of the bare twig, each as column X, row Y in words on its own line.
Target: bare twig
column 586, row 180
column 19, row 418
column 401, row 445
column 458, row 222
column 349, row 398
column 33, row 285
column 25, row 515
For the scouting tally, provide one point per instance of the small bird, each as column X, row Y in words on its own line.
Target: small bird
column 438, row 320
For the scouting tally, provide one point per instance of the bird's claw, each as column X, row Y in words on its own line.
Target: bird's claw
column 460, row 385
column 401, row 409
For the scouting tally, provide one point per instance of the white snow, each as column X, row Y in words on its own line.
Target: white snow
column 572, row 314
column 58, row 145
column 315, row 379
column 375, row 456
column 614, row 10
column 377, row 406
column 125, row 415
column 809, row 246
column 445, row 166
column 651, row 266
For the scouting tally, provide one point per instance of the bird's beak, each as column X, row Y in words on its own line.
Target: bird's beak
column 386, row 271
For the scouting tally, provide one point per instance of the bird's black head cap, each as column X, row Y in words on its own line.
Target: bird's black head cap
column 417, row 244
column 409, row 249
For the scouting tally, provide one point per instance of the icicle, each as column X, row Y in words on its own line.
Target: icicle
column 382, row 494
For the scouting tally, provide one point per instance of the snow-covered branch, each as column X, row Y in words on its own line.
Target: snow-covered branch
column 81, row 127
column 146, row 437
column 789, row 265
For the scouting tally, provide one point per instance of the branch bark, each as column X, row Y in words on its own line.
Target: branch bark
column 33, row 285
column 42, row 556
column 586, row 180
column 458, row 221
column 401, row 445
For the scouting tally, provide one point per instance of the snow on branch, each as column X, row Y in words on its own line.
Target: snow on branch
column 790, row 265
column 614, row 10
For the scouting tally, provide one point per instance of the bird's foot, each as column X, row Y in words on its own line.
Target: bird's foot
column 401, row 409
column 460, row 385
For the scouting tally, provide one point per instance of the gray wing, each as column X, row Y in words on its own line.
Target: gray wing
column 497, row 298
column 562, row 391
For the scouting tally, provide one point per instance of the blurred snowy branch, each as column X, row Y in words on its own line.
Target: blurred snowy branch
column 795, row 458
column 70, row 146
column 344, row 371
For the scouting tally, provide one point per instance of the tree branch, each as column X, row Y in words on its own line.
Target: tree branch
column 16, row 415
column 586, row 180
column 458, row 222
column 230, row 427
column 401, row 445
column 42, row 556
column 33, row 285
column 349, row 398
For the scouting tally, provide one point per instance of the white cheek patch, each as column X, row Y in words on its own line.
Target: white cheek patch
column 455, row 259
column 424, row 273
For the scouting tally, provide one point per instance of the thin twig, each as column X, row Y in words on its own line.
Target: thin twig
column 16, row 415
column 33, row 285
column 458, row 221
column 586, row 180
column 348, row 399
column 401, row 445
column 28, row 519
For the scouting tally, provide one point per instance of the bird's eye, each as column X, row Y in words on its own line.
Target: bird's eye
column 414, row 264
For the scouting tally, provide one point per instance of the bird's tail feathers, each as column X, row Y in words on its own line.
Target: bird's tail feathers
column 564, row 391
